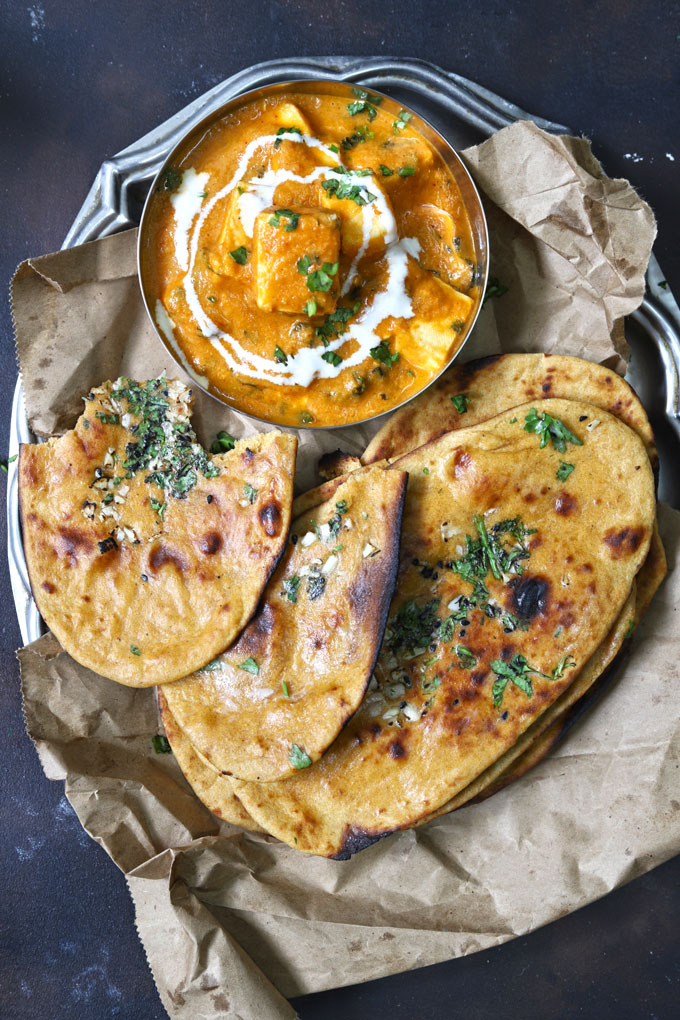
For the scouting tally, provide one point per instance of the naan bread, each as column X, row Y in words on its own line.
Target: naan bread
column 504, row 381
column 147, row 556
column 275, row 700
column 465, row 670
column 535, row 742
column 210, row 787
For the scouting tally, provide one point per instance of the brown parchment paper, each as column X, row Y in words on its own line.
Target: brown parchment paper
column 232, row 922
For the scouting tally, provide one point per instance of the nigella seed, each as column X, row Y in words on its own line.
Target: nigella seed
column 294, row 539
column 440, row 564
column 504, row 716
column 433, row 647
column 456, row 701
column 209, row 498
column 403, row 704
column 582, row 417
column 144, row 577
column 463, row 633
column 508, row 630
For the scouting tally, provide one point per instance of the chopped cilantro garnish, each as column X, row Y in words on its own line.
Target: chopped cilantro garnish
column 286, row 689
column 414, row 626
column 458, row 325
column 465, row 657
column 406, row 171
column 322, row 279
column 563, row 471
column 334, row 148
column 517, row 671
column 223, row 443
column 478, row 521
column 170, row 179
column 291, row 218
column 310, row 308
column 365, row 103
column 304, row 263
column 360, row 135
column 494, row 288
column 108, row 419
column 239, row 255
column 430, row 685
column 335, row 324
column 460, row 401
column 332, row 358
column 286, row 131
column 212, row 299
column 357, row 193
column 249, row 492
column 630, row 628
column 382, row 353
column 280, row 355
column 341, row 506
column 250, row 666
column 550, row 430
column 290, row 588
column 385, row 170
column 135, row 650
column 159, row 507
column 298, row 758
column 161, row 745
column 402, row 120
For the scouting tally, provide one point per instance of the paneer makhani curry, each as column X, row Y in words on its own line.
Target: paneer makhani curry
column 310, row 259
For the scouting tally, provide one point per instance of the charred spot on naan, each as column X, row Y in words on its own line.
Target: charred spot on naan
column 624, row 542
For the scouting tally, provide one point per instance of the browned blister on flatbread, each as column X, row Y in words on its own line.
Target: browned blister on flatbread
column 470, row 660
column 277, row 698
column 146, row 555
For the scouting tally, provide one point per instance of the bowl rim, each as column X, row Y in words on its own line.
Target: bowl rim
column 333, row 86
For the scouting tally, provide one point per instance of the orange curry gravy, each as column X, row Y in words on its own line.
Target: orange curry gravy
column 310, row 259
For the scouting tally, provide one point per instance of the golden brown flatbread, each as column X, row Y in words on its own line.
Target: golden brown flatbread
column 491, row 384
column 273, row 702
column 536, row 741
column 146, row 555
column 210, row 787
column 470, row 659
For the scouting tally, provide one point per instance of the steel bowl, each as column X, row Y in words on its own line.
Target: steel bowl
column 453, row 161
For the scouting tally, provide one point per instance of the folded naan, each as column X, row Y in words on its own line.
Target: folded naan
column 521, row 539
column 146, row 555
column 273, row 702
column 471, row 392
column 211, row 788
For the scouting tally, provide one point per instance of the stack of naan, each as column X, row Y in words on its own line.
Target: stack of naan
column 427, row 631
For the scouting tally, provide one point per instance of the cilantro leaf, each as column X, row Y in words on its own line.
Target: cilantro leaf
column 239, row 255
column 290, row 588
column 292, row 219
column 550, row 430
column 460, row 401
column 250, row 666
column 563, row 471
column 161, row 745
column 249, row 492
column 382, row 353
column 298, row 758
column 280, row 355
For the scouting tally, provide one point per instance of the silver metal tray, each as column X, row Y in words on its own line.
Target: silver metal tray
column 466, row 114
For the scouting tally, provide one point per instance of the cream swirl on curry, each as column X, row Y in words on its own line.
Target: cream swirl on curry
column 311, row 259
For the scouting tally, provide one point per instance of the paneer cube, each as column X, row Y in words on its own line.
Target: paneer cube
column 427, row 339
column 352, row 222
column 296, row 260
column 289, row 116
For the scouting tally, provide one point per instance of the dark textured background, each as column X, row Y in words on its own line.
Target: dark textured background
column 81, row 80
